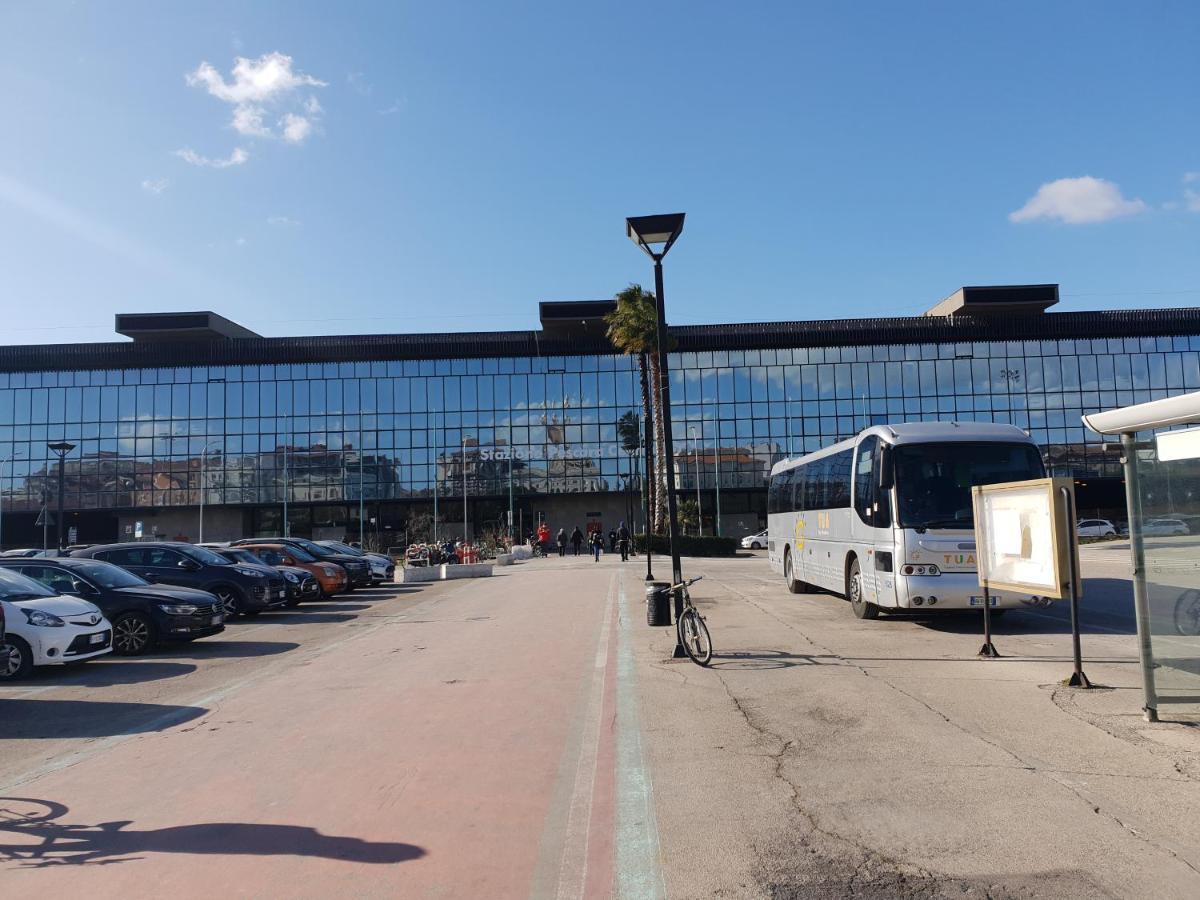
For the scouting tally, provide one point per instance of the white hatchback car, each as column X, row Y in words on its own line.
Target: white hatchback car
column 1157, row 527
column 755, row 541
column 1095, row 528
column 43, row 628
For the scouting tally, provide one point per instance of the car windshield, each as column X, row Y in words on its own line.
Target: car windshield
column 242, row 556
column 934, row 481
column 314, row 549
column 344, row 548
column 300, row 555
column 206, row 556
column 15, row 586
column 108, row 576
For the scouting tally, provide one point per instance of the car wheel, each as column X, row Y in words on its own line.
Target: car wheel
column 756, row 546
column 132, row 634
column 231, row 601
column 862, row 608
column 16, row 659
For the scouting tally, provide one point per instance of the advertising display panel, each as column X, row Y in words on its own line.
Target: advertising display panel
column 1025, row 536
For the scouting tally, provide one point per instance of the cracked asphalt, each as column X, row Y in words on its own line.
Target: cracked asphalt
column 527, row 736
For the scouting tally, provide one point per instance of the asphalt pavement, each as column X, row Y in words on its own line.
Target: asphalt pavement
column 528, row 735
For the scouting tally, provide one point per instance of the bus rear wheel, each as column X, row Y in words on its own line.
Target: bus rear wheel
column 862, row 608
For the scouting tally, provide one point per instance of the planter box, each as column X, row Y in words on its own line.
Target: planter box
column 504, row 559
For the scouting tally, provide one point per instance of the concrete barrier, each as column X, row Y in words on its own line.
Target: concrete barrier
column 421, row 574
column 504, row 559
column 467, row 570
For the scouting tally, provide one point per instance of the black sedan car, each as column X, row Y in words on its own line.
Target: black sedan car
column 301, row 585
column 357, row 570
column 242, row 590
column 142, row 614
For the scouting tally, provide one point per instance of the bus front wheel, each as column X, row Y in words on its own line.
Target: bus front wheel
column 862, row 608
column 789, row 575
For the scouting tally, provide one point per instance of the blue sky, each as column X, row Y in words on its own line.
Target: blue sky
column 444, row 166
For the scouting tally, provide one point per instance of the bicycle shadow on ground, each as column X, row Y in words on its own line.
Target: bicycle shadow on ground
column 769, row 659
column 31, row 837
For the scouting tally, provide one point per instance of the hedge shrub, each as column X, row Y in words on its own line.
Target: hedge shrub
column 689, row 545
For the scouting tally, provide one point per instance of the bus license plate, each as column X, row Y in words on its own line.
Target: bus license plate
column 978, row 601
column 96, row 638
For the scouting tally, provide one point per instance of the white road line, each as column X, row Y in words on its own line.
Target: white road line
column 572, row 870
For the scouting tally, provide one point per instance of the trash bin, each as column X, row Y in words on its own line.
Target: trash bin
column 658, row 603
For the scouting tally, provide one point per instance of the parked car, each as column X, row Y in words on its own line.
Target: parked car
column 301, row 584
column 1162, row 527
column 357, row 570
column 331, row 578
column 45, row 629
column 142, row 614
column 1095, row 528
column 755, row 541
column 242, row 590
column 27, row 552
column 383, row 569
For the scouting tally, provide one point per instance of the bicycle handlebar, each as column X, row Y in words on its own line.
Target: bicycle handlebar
column 684, row 584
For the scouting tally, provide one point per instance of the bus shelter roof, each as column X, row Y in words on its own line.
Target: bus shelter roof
column 1181, row 410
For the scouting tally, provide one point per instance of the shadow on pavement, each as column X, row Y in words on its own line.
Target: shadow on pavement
column 38, row 718
column 320, row 607
column 31, row 838
column 109, row 671
column 767, row 659
column 210, row 648
column 301, row 617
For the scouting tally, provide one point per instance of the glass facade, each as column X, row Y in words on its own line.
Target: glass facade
column 323, row 433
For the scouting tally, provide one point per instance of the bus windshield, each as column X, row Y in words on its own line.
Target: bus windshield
column 934, row 481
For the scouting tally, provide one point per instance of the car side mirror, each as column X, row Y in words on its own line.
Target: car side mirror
column 83, row 589
column 188, row 565
column 887, row 475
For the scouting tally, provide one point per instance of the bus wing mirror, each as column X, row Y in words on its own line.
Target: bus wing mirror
column 887, row 477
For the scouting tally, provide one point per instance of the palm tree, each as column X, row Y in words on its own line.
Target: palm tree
column 633, row 329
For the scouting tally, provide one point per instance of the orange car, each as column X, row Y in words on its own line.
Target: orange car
column 331, row 577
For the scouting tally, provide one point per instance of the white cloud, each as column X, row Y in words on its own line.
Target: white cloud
column 263, row 87
column 295, row 128
column 1077, row 201
column 236, row 158
column 155, row 185
column 283, row 221
column 1189, row 177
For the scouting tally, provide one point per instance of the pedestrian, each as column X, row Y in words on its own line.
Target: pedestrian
column 612, row 540
column 576, row 539
column 597, row 542
column 623, row 541
column 562, row 541
column 543, row 534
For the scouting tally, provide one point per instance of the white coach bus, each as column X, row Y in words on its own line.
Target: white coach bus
column 885, row 518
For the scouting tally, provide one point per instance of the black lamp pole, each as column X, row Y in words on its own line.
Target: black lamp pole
column 61, row 449
column 648, row 525
column 663, row 230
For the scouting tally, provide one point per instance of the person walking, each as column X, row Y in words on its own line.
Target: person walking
column 612, row 540
column 597, row 542
column 576, row 539
column 561, row 539
column 623, row 541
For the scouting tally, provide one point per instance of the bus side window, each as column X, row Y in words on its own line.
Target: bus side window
column 883, row 497
column 864, row 480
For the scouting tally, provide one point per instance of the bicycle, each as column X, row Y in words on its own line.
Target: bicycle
column 690, row 628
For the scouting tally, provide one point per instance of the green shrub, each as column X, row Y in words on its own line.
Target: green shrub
column 689, row 545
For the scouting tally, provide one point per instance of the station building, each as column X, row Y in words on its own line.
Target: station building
column 379, row 428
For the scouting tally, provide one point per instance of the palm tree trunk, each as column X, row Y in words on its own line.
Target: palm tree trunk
column 648, row 417
column 660, row 449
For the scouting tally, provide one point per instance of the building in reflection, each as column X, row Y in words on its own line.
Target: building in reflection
column 382, row 423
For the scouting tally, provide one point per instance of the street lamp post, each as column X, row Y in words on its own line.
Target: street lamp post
column 717, row 468
column 696, row 475
column 203, row 486
column 61, row 449
column 647, row 524
column 649, row 232
column 433, row 422
column 361, row 508
column 464, row 474
column 4, row 462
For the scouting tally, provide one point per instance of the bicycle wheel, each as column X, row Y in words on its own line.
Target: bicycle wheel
column 693, row 634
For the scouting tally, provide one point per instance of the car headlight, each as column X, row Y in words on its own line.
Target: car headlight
column 291, row 576
column 43, row 619
column 250, row 573
column 179, row 609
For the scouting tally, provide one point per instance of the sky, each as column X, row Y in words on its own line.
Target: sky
column 315, row 168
